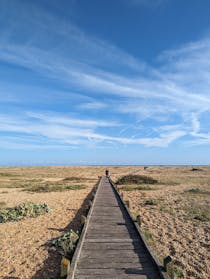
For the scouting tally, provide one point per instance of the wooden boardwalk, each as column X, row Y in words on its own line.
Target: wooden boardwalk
column 111, row 246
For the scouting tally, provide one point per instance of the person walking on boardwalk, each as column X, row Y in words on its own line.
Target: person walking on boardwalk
column 107, row 173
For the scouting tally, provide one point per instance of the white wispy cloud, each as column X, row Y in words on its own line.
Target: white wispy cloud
column 147, row 3
column 62, row 131
column 174, row 95
column 51, row 118
column 94, row 105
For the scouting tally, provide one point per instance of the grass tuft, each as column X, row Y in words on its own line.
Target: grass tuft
column 197, row 191
column 201, row 217
column 150, row 202
column 136, row 179
column 148, row 236
column 198, row 212
column 7, row 174
column 54, row 188
column 74, row 178
column 174, row 271
column 130, row 188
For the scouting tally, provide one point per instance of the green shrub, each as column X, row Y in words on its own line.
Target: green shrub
column 178, row 272
column 24, row 210
column 136, row 179
column 66, row 243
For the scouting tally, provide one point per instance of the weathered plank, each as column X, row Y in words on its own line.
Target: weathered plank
column 111, row 246
column 111, row 273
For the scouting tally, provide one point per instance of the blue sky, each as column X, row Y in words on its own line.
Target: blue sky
column 104, row 82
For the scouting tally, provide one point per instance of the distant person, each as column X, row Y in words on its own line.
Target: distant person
column 107, row 173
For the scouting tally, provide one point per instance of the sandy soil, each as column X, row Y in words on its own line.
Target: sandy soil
column 24, row 252
column 171, row 221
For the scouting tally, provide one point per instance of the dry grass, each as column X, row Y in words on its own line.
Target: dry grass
column 54, row 187
column 134, row 188
column 136, row 179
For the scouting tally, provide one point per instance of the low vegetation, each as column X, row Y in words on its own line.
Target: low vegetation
column 136, row 179
column 175, row 271
column 7, row 174
column 131, row 188
column 28, row 179
column 148, row 236
column 196, row 169
column 66, row 243
column 57, row 187
column 203, row 217
column 74, row 178
column 197, row 191
column 24, row 210
column 150, row 202
column 197, row 211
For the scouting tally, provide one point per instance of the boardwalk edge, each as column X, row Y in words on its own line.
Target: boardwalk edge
column 156, row 262
column 82, row 236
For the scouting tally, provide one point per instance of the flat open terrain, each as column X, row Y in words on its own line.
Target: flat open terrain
column 174, row 212
column 24, row 249
column 175, row 216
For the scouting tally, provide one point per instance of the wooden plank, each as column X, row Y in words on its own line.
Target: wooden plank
column 112, row 225
column 114, row 264
column 118, row 261
column 89, row 261
column 118, row 232
column 104, row 253
column 112, row 240
column 116, row 273
column 102, row 276
column 112, row 247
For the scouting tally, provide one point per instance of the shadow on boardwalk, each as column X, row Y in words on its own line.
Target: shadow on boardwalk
column 51, row 266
